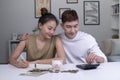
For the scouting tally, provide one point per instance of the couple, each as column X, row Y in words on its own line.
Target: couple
column 72, row 46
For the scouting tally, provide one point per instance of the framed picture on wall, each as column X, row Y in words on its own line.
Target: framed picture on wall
column 40, row 4
column 91, row 13
column 61, row 10
column 72, row 1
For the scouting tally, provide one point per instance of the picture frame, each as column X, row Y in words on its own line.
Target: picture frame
column 40, row 4
column 91, row 12
column 61, row 10
column 72, row 1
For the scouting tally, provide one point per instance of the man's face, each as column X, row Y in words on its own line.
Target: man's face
column 70, row 28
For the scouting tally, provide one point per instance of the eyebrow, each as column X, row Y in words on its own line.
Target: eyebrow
column 51, row 27
column 72, row 25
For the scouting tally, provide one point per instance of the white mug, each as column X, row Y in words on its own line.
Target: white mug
column 57, row 64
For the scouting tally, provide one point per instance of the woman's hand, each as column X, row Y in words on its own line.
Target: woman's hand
column 23, row 64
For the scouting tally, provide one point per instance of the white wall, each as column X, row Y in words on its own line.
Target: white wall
column 17, row 16
column 98, row 31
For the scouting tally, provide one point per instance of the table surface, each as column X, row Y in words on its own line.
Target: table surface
column 106, row 71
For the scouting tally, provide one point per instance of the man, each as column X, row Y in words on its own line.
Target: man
column 79, row 46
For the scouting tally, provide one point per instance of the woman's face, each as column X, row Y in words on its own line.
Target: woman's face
column 48, row 29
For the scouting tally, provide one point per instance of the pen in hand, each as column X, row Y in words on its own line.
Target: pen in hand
column 22, row 58
column 22, row 62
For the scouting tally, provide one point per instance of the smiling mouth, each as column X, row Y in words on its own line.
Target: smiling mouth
column 71, row 34
column 50, row 35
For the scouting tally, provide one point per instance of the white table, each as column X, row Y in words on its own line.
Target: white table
column 106, row 71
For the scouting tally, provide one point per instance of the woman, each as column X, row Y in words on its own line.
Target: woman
column 40, row 48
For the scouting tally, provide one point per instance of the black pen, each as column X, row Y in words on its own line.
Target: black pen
column 35, row 66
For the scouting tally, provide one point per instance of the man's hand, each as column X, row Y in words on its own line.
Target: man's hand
column 93, row 57
column 24, row 37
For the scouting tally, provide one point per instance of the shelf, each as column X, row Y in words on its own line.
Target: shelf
column 12, row 45
column 115, row 4
column 115, row 9
column 115, row 15
column 114, row 28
